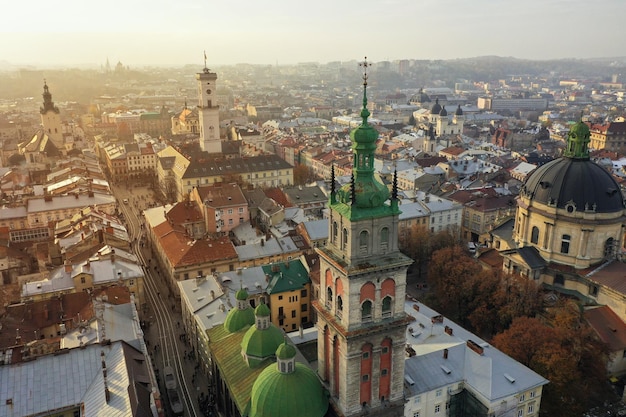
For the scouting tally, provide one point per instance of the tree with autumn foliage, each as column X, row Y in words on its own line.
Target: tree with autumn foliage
column 484, row 301
column 303, row 174
column 451, row 277
column 564, row 349
column 419, row 243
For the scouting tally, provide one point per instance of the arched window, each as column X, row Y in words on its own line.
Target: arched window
column 344, row 239
column 339, row 306
column 609, row 247
column 335, row 232
column 363, row 241
column 534, row 235
column 384, row 238
column 366, row 311
column 329, row 297
column 387, row 302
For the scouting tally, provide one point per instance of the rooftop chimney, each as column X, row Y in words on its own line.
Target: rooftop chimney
column 475, row 347
column 445, row 353
column 448, row 330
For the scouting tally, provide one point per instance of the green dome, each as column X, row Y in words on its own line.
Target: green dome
column 285, row 351
column 262, row 310
column 276, row 394
column 241, row 295
column 260, row 344
column 237, row 319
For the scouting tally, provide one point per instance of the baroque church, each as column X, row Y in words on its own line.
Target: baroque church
column 568, row 233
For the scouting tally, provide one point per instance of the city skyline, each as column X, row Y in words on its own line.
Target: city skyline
column 142, row 33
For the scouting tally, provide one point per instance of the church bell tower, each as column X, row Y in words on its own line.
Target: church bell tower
column 51, row 119
column 361, row 318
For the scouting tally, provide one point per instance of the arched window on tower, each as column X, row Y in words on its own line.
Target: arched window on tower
column 366, row 311
column 344, row 238
column 335, row 232
column 329, row 298
column 384, row 238
column 363, row 242
column 534, row 235
column 339, row 310
column 387, row 306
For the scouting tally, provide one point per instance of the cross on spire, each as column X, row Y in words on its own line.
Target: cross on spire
column 365, row 64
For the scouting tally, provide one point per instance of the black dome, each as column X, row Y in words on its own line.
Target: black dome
column 579, row 181
column 443, row 112
column 436, row 107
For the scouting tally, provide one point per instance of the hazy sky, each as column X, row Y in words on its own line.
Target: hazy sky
column 174, row 32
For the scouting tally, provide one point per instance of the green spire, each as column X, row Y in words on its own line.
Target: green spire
column 578, row 141
column 366, row 193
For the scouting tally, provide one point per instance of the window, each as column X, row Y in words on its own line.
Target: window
column 520, row 413
column 280, row 297
column 366, row 311
column 384, row 237
column 293, row 314
column 304, row 307
column 365, row 378
column 438, row 393
column 531, row 408
column 609, row 247
column 522, row 398
column 240, row 210
column 303, row 293
column 534, row 236
column 365, row 355
column 437, row 408
column 565, row 243
column 387, row 306
column 532, row 394
column 385, row 350
column 384, row 372
column 559, row 279
column 416, row 414
column 334, row 232
column 363, row 239
column 82, row 280
column 417, row 399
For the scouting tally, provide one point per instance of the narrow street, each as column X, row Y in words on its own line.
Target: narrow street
column 164, row 336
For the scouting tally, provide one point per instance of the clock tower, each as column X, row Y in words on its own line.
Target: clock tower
column 208, row 111
column 361, row 318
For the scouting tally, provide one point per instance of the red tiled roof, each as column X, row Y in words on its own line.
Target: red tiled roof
column 183, row 251
column 609, row 327
column 184, row 212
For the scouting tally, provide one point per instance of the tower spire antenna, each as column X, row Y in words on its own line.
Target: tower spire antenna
column 365, row 113
column 206, row 69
